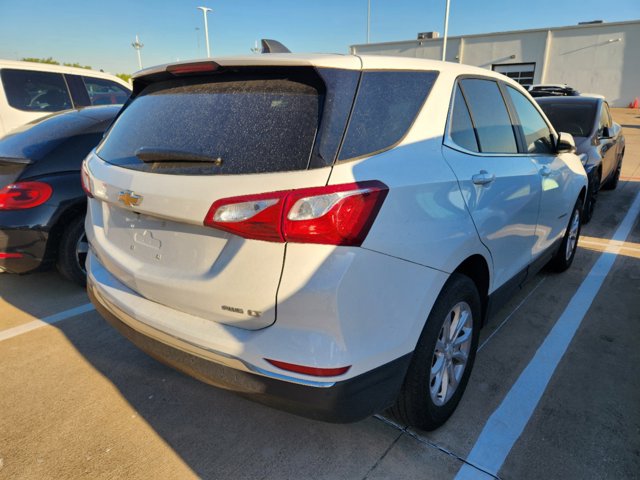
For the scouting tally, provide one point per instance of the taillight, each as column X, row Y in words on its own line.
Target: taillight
column 195, row 67
column 85, row 180
column 4, row 255
column 22, row 195
column 332, row 215
column 315, row 371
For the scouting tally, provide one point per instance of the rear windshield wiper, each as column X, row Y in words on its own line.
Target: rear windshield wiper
column 152, row 155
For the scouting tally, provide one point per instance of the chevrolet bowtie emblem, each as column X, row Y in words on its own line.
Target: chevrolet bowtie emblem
column 129, row 198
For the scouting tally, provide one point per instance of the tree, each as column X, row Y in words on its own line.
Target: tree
column 49, row 60
column 124, row 76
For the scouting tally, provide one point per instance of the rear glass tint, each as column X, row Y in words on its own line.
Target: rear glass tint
column 386, row 105
column 461, row 130
column 33, row 91
column 575, row 118
column 244, row 125
column 490, row 116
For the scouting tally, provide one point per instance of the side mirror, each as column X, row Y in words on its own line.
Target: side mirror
column 565, row 144
column 605, row 132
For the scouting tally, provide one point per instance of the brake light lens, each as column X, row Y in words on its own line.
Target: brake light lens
column 195, row 67
column 4, row 255
column 332, row 215
column 85, row 180
column 23, row 195
column 314, row 371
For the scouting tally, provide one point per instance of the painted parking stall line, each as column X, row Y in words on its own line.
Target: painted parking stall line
column 51, row 319
column 507, row 423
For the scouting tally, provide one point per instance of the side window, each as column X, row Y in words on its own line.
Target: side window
column 536, row 131
column 385, row 107
column 461, row 129
column 604, row 120
column 33, row 91
column 490, row 116
column 105, row 92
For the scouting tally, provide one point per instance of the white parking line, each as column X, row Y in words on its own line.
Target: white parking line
column 507, row 423
column 27, row 327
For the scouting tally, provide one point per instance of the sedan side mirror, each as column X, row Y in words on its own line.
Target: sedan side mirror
column 605, row 132
column 566, row 143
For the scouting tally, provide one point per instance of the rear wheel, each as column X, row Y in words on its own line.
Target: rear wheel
column 563, row 258
column 72, row 252
column 592, row 197
column 443, row 358
column 612, row 183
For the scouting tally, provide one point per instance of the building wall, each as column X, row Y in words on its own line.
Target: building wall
column 601, row 58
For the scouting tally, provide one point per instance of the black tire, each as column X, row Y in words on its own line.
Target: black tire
column 563, row 258
column 415, row 405
column 70, row 260
column 592, row 197
column 612, row 183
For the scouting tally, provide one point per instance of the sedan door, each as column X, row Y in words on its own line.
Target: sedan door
column 607, row 138
column 501, row 188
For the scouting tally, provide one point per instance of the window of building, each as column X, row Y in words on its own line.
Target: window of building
column 520, row 72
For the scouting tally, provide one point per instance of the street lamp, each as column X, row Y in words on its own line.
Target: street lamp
column 206, row 10
column 368, row 19
column 446, row 31
column 137, row 45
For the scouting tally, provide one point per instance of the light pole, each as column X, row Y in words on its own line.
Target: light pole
column 206, row 10
column 446, row 31
column 137, row 45
column 368, row 19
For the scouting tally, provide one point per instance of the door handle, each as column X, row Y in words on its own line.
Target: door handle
column 483, row 178
column 545, row 171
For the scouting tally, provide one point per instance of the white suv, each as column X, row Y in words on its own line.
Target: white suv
column 325, row 234
column 30, row 90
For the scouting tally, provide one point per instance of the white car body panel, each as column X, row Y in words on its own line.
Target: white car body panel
column 336, row 305
column 164, row 238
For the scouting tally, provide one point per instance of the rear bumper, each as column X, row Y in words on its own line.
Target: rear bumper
column 340, row 402
column 30, row 244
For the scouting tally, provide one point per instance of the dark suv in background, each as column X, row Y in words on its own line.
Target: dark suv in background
column 42, row 204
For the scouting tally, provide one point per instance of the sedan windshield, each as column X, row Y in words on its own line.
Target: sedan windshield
column 577, row 119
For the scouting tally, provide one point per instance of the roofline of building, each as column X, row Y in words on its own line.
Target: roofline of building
column 510, row 32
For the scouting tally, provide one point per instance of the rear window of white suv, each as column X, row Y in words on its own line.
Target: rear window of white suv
column 236, row 126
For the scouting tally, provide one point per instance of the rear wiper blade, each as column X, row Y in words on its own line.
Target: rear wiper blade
column 152, row 155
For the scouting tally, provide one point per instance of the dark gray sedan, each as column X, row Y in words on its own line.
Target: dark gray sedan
column 599, row 140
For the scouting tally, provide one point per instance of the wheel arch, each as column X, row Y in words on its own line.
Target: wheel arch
column 476, row 268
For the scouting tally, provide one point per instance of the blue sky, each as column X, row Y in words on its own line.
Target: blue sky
column 99, row 33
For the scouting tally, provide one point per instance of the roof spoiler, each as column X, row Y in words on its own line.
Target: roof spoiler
column 273, row 46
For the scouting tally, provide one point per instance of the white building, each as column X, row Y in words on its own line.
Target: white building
column 601, row 58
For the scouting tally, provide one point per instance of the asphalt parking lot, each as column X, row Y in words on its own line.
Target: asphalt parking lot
column 554, row 392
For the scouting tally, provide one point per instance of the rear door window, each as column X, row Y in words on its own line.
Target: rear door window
column 227, row 125
column 461, row 129
column 385, row 107
column 105, row 92
column 490, row 116
column 33, row 91
column 536, row 131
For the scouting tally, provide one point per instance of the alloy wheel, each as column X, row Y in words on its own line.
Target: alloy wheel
column 451, row 353
column 574, row 228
